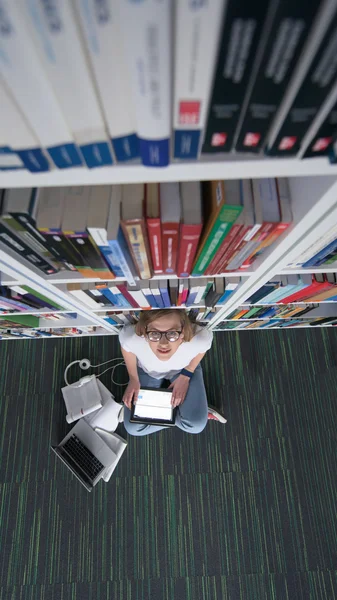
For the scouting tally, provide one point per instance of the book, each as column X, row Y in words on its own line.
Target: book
column 284, row 219
column 102, row 33
column 247, row 228
column 74, row 219
column 16, row 208
column 18, row 137
column 216, row 292
column 57, row 37
column 323, row 129
column 173, row 291
column 26, row 79
column 81, row 398
column 231, row 283
column 241, row 30
column 318, row 245
column 190, row 226
column 164, row 292
column 148, row 24
column 145, row 287
column 309, row 85
column 49, row 213
column 134, row 228
column 137, row 293
column 192, row 291
column 170, row 210
column 194, row 60
column 111, row 241
column 9, row 159
column 279, row 50
column 20, row 247
column 96, row 223
column 153, row 223
column 221, row 217
column 320, row 257
column 154, row 287
column 78, row 290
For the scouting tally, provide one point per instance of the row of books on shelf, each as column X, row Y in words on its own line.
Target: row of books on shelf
column 162, row 293
column 286, row 289
column 286, row 311
column 23, row 298
column 246, row 76
column 10, row 333
column 278, row 323
column 200, row 315
column 137, row 231
column 322, row 253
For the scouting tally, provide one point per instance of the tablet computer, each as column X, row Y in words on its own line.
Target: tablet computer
column 153, row 407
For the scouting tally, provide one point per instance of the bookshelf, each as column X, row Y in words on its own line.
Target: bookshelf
column 314, row 208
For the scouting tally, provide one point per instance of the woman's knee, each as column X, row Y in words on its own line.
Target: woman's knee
column 195, row 426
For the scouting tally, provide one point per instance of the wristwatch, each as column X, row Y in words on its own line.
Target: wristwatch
column 187, row 373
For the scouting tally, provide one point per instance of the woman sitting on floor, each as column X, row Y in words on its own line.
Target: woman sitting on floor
column 165, row 344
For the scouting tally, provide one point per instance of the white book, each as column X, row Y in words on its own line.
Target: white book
column 81, row 398
column 101, row 29
column 315, row 37
column 197, row 31
column 57, row 39
column 147, row 32
column 202, row 287
column 155, row 291
column 27, row 81
column 318, row 245
column 138, row 296
column 84, row 298
column 115, row 443
column 13, row 128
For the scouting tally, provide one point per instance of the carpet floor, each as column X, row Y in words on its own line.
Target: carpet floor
column 243, row 511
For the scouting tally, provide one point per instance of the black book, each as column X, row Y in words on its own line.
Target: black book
column 215, row 293
column 275, row 61
column 8, row 238
column 326, row 133
column 312, row 81
column 243, row 22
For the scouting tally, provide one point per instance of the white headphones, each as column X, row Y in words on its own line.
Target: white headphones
column 85, row 364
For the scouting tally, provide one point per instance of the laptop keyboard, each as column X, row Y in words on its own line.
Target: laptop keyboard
column 84, row 458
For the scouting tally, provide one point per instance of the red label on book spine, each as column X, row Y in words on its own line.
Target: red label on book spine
column 189, row 240
column 154, row 233
column 170, row 236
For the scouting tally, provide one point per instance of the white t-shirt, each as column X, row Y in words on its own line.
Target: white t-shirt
column 148, row 361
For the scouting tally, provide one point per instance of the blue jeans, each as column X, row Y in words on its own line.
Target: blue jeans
column 191, row 414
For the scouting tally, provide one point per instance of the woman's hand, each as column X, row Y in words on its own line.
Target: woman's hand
column 131, row 392
column 179, row 389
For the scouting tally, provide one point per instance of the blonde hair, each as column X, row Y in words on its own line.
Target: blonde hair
column 148, row 316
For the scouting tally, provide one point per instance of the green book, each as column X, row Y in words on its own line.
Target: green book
column 42, row 297
column 25, row 320
column 226, row 217
column 252, row 312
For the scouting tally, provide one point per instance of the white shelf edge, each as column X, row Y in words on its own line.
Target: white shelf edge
column 229, row 166
column 299, row 270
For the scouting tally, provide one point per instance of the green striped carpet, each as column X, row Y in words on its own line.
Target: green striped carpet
column 245, row 511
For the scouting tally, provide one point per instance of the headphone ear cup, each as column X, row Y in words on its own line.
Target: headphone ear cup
column 85, row 364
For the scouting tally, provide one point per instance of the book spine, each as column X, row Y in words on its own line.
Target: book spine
column 103, row 38
column 158, row 298
column 195, row 56
column 228, row 214
column 189, row 239
column 165, row 296
column 9, row 159
column 29, row 224
column 233, row 233
column 154, row 235
column 320, row 256
column 276, row 230
column 127, row 296
column 148, row 25
column 244, row 236
column 170, row 237
column 314, row 88
column 137, row 243
column 322, row 140
column 57, row 38
column 239, row 39
column 284, row 44
column 81, row 244
column 191, row 296
column 14, row 242
column 22, row 71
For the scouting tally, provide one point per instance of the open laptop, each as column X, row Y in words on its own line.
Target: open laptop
column 85, row 453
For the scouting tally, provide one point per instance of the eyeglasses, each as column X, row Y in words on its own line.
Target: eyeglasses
column 171, row 336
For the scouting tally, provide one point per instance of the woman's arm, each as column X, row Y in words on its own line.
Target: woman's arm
column 195, row 361
column 180, row 385
column 131, row 392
